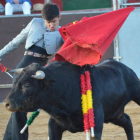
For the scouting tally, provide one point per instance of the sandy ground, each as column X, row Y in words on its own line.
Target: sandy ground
column 39, row 131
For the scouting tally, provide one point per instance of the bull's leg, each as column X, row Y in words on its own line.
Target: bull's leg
column 125, row 122
column 99, row 120
column 55, row 131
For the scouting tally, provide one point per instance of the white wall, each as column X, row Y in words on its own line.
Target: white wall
column 129, row 41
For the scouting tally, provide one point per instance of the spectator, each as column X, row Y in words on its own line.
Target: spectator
column 1, row 8
column 12, row 6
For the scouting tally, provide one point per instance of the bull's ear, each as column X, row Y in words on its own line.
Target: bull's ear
column 49, row 82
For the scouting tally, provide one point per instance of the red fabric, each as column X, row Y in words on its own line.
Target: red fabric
column 2, row 67
column 86, row 122
column 91, row 117
column 87, row 40
column 88, row 80
column 83, row 84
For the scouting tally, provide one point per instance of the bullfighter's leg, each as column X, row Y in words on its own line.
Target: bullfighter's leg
column 125, row 122
column 55, row 131
column 16, row 123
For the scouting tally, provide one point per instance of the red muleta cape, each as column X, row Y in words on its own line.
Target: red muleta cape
column 87, row 40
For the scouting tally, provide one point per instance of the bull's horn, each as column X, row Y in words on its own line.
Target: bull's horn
column 39, row 75
column 16, row 70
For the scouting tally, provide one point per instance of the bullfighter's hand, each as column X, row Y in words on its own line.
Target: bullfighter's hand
column 16, row 1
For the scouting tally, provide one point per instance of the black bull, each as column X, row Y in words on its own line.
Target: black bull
column 59, row 94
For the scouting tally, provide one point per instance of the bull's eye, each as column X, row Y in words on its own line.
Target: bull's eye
column 27, row 85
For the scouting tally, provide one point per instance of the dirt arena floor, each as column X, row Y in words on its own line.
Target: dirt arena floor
column 39, row 131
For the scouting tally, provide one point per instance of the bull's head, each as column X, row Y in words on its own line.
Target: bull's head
column 27, row 88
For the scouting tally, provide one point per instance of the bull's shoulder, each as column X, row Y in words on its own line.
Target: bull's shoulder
column 111, row 63
column 107, row 62
column 61, row 65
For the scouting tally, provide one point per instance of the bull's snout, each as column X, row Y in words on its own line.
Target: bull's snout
column 8, row 106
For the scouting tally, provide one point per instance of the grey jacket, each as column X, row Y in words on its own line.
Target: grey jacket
column 34, row 32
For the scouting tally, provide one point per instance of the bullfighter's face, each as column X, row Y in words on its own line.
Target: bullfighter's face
column 25, row 94
column 53, row 24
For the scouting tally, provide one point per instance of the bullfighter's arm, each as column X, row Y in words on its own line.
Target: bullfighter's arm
column 16, row 42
